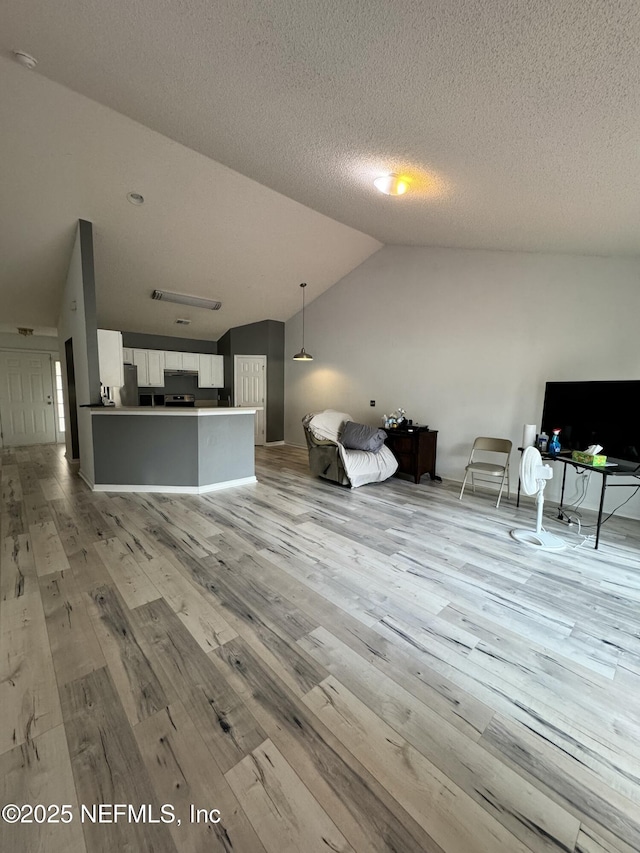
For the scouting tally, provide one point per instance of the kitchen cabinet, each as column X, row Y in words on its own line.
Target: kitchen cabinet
column 156, row 368
column 110, row 358
column 210, row 371
column 150, row 364
column 180, row 360
column 127, row 355
column 173, row 360
column 190, row 360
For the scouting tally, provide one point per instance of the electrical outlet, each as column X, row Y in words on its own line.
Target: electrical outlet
column 372, row 402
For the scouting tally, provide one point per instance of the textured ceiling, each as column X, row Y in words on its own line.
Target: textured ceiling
column 518, row 122
column 203, row 229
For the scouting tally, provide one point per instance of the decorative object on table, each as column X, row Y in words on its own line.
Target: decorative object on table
column 554, row 445
column 303, row 355
column 529, row 432
column 533, row 477
column 395, row 419
column 485, row 468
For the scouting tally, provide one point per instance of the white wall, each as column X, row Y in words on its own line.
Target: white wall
column 464, row 341
column 77, row 321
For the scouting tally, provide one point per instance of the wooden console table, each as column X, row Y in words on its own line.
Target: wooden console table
column 415, row 451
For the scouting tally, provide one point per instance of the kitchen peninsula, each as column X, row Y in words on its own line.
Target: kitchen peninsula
column 187, row 451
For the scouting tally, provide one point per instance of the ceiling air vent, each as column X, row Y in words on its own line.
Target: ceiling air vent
column 184, row 299
column 181, row 321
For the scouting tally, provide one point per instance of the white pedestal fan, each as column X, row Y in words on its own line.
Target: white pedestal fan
column 533, row 477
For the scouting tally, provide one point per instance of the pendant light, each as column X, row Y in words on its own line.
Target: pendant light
column 303, row 355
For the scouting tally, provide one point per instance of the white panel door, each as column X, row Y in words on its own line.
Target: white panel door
column 27, row 411
column 250, row 388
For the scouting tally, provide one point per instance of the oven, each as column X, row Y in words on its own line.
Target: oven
column 180, row 400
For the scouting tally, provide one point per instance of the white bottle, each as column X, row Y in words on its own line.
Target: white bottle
column 543, row 442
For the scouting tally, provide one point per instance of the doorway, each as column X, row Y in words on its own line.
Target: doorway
column 250, row 389
column 27, row 411
column 71, row 396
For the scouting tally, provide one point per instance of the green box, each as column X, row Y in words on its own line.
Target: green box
column 588, row 458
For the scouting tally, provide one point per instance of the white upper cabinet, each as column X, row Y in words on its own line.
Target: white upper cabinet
column 127, row 355
column 190, row 361
column 210, row 371
column 110, row 358
column 156, row 368
column 173, row 360
column 150, row 364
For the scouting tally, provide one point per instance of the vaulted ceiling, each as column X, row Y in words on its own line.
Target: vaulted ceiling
column 254, row 130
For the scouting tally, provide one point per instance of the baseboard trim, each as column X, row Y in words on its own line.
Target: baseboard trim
column 173, row 490
column 84, row 477
column 274, row 443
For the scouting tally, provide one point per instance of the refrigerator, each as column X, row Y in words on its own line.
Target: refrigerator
column 129, row 391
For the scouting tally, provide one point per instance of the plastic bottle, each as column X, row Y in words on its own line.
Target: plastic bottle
column 554, row 444
column 543, row 442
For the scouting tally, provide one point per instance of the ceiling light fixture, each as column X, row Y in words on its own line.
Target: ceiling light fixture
column 184, row 299
column 391, row 184
column 135, row 198
column 25, row 59
column 303, row 355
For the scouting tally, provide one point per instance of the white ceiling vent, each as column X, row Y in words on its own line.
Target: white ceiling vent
column 183, row 299
column 181, row 321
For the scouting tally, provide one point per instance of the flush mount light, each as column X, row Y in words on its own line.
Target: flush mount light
column 135, row 198
column 184, row 299
column 25, row 59
column 303, row 355
column 391, row 184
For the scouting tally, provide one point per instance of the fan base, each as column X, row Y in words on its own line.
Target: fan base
column 539, row 539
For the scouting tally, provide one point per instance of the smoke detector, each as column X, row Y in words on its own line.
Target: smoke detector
column 25, row 59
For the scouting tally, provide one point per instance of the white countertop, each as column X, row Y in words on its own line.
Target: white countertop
column 173, row 411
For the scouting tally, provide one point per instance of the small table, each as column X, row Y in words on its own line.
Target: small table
column 620, row 469
column 415, row 450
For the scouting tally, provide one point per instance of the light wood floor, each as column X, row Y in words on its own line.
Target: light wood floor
column 382, row 669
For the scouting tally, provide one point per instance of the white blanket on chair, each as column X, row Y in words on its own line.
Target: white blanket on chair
column 362, row 466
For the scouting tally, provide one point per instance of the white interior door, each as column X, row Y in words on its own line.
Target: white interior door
column 250, row 388
column 27, row 410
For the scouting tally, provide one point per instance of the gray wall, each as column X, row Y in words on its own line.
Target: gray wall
column 77, row 320
column 167, row 342
column 165, row 450
column 264, row 338
column 153, row 450
column 226, row 449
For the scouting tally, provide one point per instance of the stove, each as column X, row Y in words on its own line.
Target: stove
column 182, row 400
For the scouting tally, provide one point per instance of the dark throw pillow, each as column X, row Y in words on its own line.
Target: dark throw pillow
column 362, row 437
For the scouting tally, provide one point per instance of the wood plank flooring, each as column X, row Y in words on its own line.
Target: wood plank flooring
column 296, row 666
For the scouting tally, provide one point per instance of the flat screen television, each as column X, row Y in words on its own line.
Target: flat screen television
column 595, row 413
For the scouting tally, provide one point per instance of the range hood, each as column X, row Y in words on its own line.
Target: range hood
column 181, row 372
